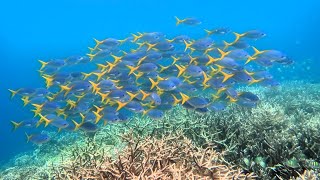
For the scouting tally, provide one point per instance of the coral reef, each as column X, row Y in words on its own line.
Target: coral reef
column 280, row 139
column 170, row 157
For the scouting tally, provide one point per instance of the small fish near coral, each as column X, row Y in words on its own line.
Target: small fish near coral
column 148, row 74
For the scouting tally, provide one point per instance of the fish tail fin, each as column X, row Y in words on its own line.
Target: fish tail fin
column 95, row 87
column 140, row 74
column 231, row 99
column 223, row 54
column 97, row 43
column 144, row 95
column 238, row 36
column 49, row 80
column 85, row 75
column 111, row 66
column 226, row 45
column 178, row 20
column 205, row 86
column 249, row 73
column 184, row 97
column 65, row 88
column 38, row 106
column 116, row 58
column 132, row 95
column 16, row 125
column 170, row 40
column 132, row 69
column 91, row 56
column 181, row 69
column 46, row 120
column 13, row 93
column 28, row 137
column 91, row 49
column 150, row 46
column 162, row 68
column 141, row 45
column 141, row 59
column 208, row 50
column 153, row 83
column 250, row 58
column 43, row 64
column 226, row 76
column 121, row 41
column 160, row 78
column 82, row 117
column 205, row 78
column 211, row 60
column 121, row 105
column 253, row 81
column 135, row 37
column 25, row 100
column 76, row 125
column 176, row 100
column 208, row 32
column 220, row 90
column 98, row 117
column 145, row 112
column 174, row 60
column 256, row 51
column 102, row 67
column 188, row 45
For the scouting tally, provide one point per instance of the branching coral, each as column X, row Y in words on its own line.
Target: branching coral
column 170, row 157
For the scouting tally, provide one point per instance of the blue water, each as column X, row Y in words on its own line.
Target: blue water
column 32, row 30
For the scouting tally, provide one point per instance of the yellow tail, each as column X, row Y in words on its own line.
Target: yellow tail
column 13, row 93
column 153, row 83
column 223, row 54
column 121, row 105
column 205, row 78
column 98, row 116
column 132, row 69
column 257, row 52
column 188, row 45
column 16, row 125
column 226, row 76
column 208, row 32
column 136, row 37
column 181, row 69
column 184, row 97
column 91, row 56
column 43, row 64
column 178, row 20
column 97, row 43
column 150, row 46
column 76, row 125
column 226, row 45
column 144, row 95
column 116, row 58
column 28, row 137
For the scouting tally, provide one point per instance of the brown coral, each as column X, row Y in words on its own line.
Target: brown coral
column 170, row 157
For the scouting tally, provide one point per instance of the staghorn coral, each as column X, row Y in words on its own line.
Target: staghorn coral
column 170, row 157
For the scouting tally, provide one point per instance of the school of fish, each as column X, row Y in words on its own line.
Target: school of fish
column 147, row 74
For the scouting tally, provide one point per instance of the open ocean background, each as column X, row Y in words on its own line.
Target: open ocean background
column 32, row 30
